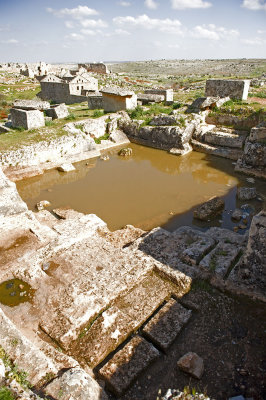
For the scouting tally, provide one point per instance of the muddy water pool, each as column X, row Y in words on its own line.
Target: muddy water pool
column 151, row 188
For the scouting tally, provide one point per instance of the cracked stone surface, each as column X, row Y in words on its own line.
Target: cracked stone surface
column 164, row 327
column 126, row 365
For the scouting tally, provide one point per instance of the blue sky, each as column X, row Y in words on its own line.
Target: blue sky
column 102, row 30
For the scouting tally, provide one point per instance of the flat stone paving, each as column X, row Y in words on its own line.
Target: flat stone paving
column 128, row 363
column 164, row 327
column 221, row 258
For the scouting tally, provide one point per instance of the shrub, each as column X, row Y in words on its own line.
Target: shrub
column 6, row 394
column 98, row 113
column 70, row 117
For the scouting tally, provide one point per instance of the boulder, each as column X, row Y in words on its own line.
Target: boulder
column 42, row 204
column 205, row 103
column 57, row 111
column 66, row 167
column 210, row 209
column 237, row 214
column 192, row 364
column 246, row 193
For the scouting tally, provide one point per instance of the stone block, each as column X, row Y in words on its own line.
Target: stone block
column 257, row 133
column 168, row 94
column 127, row 364
column 104, row 336
column 236, row 89
column 246, row 193
column 192, row 364
column 210, row 209
column 58, row 111
column 67, row 167
column 164, row 327
column 31, row 105
column 221, row 258
column 225, row 137
column 150, row 98
column 26, row 119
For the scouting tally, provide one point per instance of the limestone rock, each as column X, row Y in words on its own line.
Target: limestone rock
column 42, row 204
column 30, row 119
column 57, row 111
column 237, row 214
column 75, row 384
column 237, row 89
column 125, row 152
column 163, row 119
column 31, row 105
column 66, row 168
column 127, row 364
column 246, row 193
column 164, row 326
column 209, row 209
column 192, row 364
column 2, row 371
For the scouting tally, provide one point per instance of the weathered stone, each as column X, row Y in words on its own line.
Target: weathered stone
column 31, row 105
column 10, row 201
column 164, row 327
column 127, row 151
column 42, row 204
column 221, row 258
column 95, row 102
column 4, row 129
column 178, row 152
column 258, row 133
column 25, row 354
column 192, row 364
column 237, row 89
column 57, row 111
column 26, row 119
column 150, row 98
column 203, row 103
column 220, row 151
column 66, row 168
column 164, row 119
column 254, row 154
column 168, row 94
column 225, row 137
column 144, row 299
column 127, row 364
column 226, row 236
column 75, row 384
column 246, row 193
column 210, row 209
column 116, row 99
column 109, row 330
column 237, row 214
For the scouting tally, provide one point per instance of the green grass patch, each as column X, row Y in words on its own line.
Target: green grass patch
column 6, row 394
column 18, row 374
column 98, row 113
column 71, row 117
column 99, row 139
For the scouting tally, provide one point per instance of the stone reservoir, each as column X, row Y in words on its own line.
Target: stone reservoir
column 151, row 188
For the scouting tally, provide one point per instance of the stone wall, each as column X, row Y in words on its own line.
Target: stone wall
column 235, row 89
column 60, row 93
column 95, row 102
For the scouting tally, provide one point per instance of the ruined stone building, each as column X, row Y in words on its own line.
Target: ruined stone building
column 68, row 89
column 99, row 68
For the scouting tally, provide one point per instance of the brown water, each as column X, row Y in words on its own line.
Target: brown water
column 151, row 188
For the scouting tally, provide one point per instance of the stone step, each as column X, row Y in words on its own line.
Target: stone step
column 164, row 327
column 220, row 151
column 221, row 258
column 225, row 138
column 115, row 324
column 127, row 364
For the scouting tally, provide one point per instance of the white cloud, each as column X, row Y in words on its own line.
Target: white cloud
column 77, row 13
column 75, row 36
column 89, row 32
column 213, row 32
column 261, row 32
column 10, row 41
column 254, row 4
column 163, row 25
column 122, row 32
column 69, row 24
column 182, row 4
column 93, row 23
column 151, row 4
column 257, row 41
column 124, row 3
column 173, row 46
